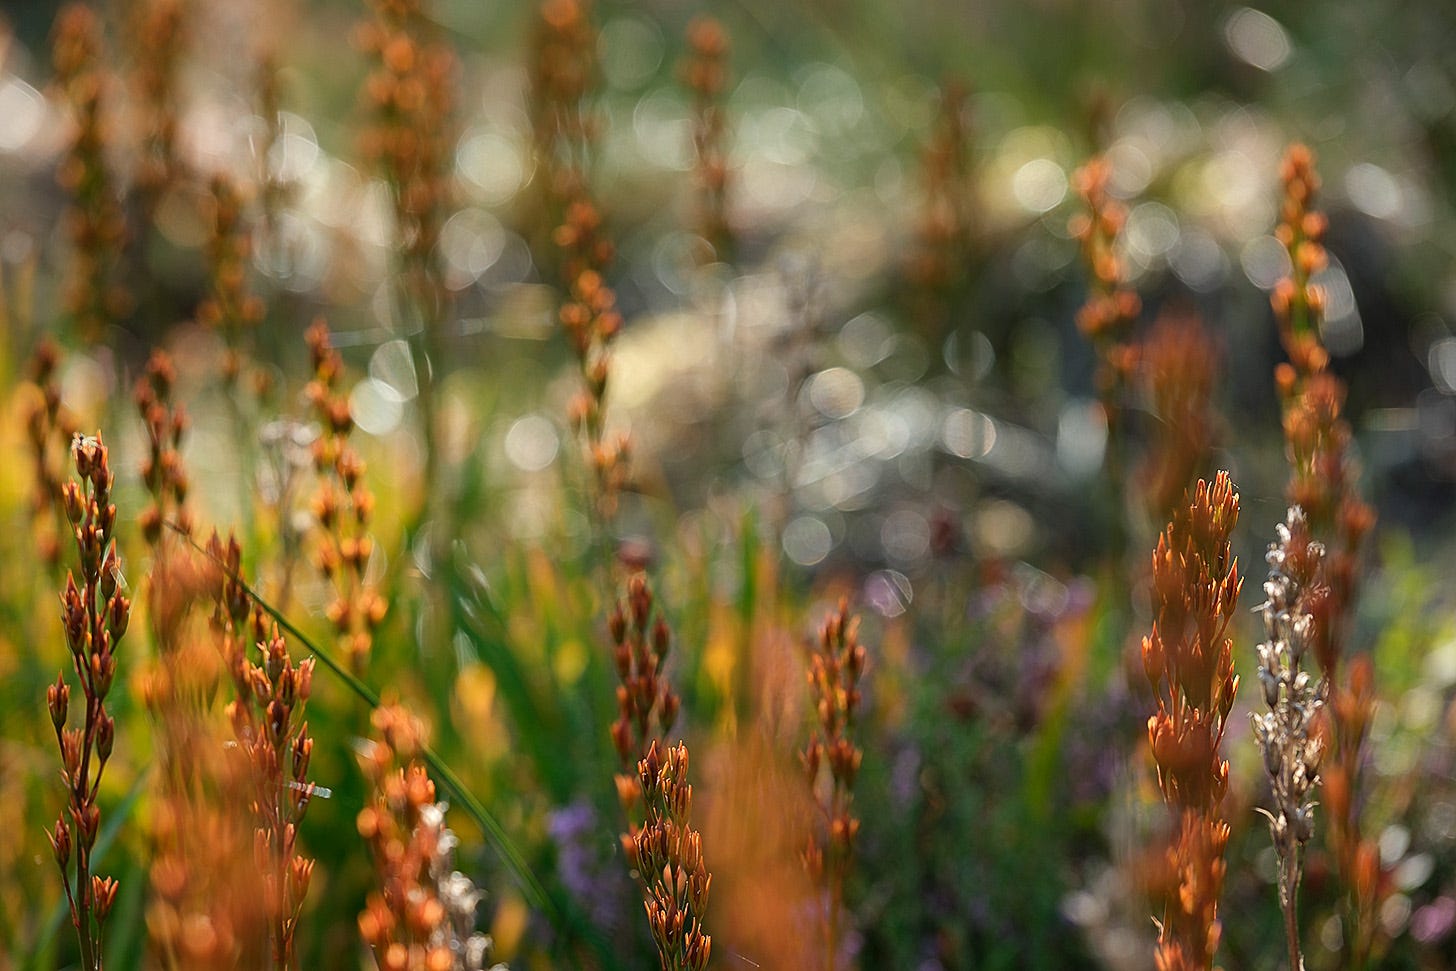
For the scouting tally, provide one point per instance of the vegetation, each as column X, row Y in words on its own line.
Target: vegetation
column 590, row 485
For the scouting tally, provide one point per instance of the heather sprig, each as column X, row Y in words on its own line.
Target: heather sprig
column 1188, row 660
column 1285, row 734
column 95, row 616
column 832, row 760
column 668, row 855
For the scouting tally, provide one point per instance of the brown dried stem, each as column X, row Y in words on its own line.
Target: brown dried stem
column 343, row 508
column 831, row 761
column 409, row 140
column 95, row 297
column 229, row 306
column 161, row 469
column 647, row 707
column 563, row 80
column 49, row 429
column 273, row 745
column 705, row 72
column 943, row 235
column 1179, row 363
column 159, row 35
column 1112, row 307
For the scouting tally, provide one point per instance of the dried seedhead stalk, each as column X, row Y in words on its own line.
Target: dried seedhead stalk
column 408, row 139
column 95, row 297
column 705, row 72
column 159, row 35
column 200, row 914
column 273, row 746
column 1179, row 364
column 95, row 616
column 664, row 852
column 1322, row 483
column 229, row 306
column 1285, row 733
column 647, row 707
column 1112, row 307
column 422, row 917
column 161, row 469
column 563, row 79
column 832, row 760
column 49, row 429
column 668, row 855
column 1188, row 660
column 342, row 506
column 942, row 243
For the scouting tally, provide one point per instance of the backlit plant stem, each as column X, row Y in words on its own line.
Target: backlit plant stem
column 1322, row 483
column 1291, row 749
column 95, row 616
column 1188, row 660
column 831, row 761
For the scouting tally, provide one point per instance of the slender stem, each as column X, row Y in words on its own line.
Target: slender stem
column 1289, row 897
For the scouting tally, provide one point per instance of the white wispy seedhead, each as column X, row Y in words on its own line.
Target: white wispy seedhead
column 1291, row 750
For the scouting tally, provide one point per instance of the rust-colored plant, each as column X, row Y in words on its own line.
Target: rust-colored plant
column 668, row 855
column 95, row 616
column 161, row 469
column 832, row 760
column 1322, row 482
column 1179, row 364
column 229, row 307
column 1188, row 659
column 422, row 917
column 159, row 35
column 95, row 297
column 273, row 746
column 705, row 71
column 563, row 79
column 204, row 911
column 343, row 507
column 664, row 852
column 48, row 429
column 409, row 141
column 943, row 232
column 1112, row 307
column 647, row 706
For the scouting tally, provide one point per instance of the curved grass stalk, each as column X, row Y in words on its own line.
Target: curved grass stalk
column 525, row 879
